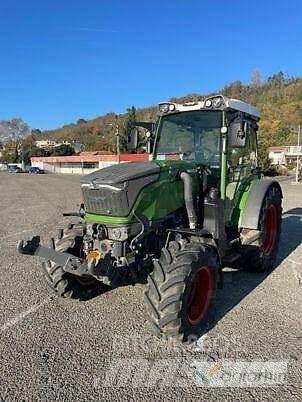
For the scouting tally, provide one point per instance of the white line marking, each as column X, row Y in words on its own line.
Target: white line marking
column 14, row 234
column 39, row 228
column 293, row 262
column 24, row 314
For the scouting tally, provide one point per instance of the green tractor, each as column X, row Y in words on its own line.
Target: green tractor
column 173, row 222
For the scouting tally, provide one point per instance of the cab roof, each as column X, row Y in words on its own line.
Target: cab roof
column 216, row 102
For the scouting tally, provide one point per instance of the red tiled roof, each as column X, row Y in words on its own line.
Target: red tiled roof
column 88, row 153
column 91, row 158
column 277, row 149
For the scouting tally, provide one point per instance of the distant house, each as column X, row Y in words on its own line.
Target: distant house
column 277, row 155
column 77, row 146
column 283, row 155
column 9, row 147
column 46, row 144
column 49, row 144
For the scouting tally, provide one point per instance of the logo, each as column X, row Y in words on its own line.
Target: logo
column 228, row 373
column 209, row 374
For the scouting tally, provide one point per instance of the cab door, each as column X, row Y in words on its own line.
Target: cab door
column 242, row 169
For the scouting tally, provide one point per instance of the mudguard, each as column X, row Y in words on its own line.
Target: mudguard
column 250, row 215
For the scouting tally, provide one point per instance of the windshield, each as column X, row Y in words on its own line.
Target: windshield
column 192, row 136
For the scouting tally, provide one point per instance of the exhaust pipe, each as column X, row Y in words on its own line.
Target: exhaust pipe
column 188, row 196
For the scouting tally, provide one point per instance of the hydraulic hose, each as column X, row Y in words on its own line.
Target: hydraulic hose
column 188, row 196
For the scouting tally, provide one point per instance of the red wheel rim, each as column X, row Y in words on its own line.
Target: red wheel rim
column 200, row 295
column 270, row 229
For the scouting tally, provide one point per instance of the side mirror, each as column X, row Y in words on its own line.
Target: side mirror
column 238, row 133
column 132, row 139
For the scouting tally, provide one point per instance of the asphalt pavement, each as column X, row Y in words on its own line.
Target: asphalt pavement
column 102, row 349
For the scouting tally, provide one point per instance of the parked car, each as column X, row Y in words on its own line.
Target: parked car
column 12, row 168
column 16, row 169
column 36, row 170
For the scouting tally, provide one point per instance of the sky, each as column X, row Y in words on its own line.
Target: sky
column 62, row 60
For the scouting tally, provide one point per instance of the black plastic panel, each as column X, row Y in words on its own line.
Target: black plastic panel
column 122, row 172
column 109, row 201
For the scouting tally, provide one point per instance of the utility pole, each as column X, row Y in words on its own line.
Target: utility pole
column 118, row 152
column 298, row 156
column 117, row 136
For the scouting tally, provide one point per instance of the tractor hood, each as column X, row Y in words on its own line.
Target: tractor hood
column 122, row 172
column 114, row 189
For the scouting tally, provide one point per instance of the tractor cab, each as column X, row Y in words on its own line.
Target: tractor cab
column 213, row 133
column 218, row 134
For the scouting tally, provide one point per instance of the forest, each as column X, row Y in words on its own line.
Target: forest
column 279, row 99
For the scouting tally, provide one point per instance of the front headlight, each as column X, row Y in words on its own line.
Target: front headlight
column 208, row 103
column 217, row 102
column 164, row 107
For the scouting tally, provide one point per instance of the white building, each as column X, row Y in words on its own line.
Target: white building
column 84, row 163
column 284, row 154
column 277, row 155
column 48, row 144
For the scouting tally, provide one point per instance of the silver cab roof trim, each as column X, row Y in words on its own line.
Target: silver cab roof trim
column 234, row 104
column 242, row 107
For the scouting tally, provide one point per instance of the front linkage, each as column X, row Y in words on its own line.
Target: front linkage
column 72, row 255
column 69, row 263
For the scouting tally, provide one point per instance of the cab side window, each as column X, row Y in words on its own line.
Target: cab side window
column 253, row 146
column 247, row 155
column 241, row 162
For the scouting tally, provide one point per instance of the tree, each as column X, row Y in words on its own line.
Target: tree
column 256, row 80
column 63, row 150
column 36, row 133
column 277, row 79
column 130, row 120
column 233, row 90
column 29, row 150
column 279, row 99
column 81, row 121
column 7, row 158
column 14, row 129
column 16, row 153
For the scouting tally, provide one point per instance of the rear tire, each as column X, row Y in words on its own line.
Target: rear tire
column 66, row 285
column 181, row 290
column 261, row 255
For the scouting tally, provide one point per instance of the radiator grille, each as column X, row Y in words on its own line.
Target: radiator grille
column 106, row 201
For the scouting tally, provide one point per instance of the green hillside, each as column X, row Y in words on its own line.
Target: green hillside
column 279, row 99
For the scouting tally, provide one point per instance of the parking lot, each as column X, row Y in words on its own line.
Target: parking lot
column 56, row 349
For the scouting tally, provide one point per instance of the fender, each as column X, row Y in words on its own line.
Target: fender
column 249, row 217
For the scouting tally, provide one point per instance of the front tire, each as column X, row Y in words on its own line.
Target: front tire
column 64, row 284
column 181, row 290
